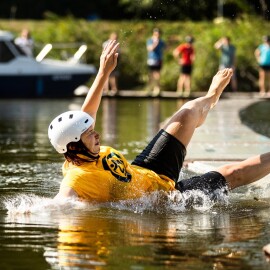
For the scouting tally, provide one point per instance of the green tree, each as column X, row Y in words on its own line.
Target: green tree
column 194, row 9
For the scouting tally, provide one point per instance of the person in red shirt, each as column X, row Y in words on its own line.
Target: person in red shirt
column 185, row 54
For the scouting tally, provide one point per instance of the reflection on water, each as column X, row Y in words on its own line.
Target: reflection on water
column 90, row 237
column 154, row 232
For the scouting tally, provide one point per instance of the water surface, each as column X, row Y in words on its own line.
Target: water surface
column 154, row 232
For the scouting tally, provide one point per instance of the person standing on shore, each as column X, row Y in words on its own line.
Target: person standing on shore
column 227, row 58
column 185, row 54
column 155, row 47
column 111, row 85
column 262, row 54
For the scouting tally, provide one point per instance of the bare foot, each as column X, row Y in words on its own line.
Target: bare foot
column 219, row 82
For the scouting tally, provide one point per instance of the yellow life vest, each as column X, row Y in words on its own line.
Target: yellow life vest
column 112, row 178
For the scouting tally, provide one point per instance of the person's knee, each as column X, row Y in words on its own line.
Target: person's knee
column 196, row 108
column 187, row 115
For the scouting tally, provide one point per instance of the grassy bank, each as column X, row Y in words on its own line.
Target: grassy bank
column 246, row 34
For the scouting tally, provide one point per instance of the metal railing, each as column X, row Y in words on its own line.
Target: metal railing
column 75, row 58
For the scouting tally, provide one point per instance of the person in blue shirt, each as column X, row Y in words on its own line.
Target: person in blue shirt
column 155, row 47
column 227, row 58
column 262, row 54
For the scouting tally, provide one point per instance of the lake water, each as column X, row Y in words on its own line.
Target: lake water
column 154, row 232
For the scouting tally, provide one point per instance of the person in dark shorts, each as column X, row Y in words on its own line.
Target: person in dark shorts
column 155, row 47
column 165, row 156
column 262, row 54
column 227, row 58
column 185, row 54
column 98, row 173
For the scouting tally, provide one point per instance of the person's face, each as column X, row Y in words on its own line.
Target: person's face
column 226, row 41
column 90, row 139
column 156, row 34
column 25, row 33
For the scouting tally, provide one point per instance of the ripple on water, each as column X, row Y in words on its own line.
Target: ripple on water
column 75, row 222
column 39, row 178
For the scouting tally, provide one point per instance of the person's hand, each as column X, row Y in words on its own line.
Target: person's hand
column 108, row 58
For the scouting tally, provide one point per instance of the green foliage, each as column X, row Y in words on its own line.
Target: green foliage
column 246, row 34
column 195, row 10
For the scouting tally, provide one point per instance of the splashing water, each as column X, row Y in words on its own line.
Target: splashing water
column 157, row 202
column 161, row 202
column 32, row 204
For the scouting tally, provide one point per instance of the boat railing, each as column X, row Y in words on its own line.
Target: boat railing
column 77, row 56
column 42, row 54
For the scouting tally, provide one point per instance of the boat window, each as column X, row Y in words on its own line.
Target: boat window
column 5, row 54
column 20, row 51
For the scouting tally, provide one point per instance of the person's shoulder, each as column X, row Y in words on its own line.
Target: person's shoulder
column 68, row 167
column 72, row 174
column 182, row 46
column 108, row 152
column 106, row 149
column 17, row 39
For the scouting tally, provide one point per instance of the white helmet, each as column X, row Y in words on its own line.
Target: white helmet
column 68, row 127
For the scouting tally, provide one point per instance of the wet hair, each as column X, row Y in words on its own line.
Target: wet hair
column 75, row 149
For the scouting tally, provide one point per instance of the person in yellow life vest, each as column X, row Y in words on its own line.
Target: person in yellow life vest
column 98, row 173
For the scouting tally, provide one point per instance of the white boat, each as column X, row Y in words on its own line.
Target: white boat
column 22, row 76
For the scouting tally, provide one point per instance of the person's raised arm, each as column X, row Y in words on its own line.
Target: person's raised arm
column 219, row 44
column 152, row 46
column 108, row 62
